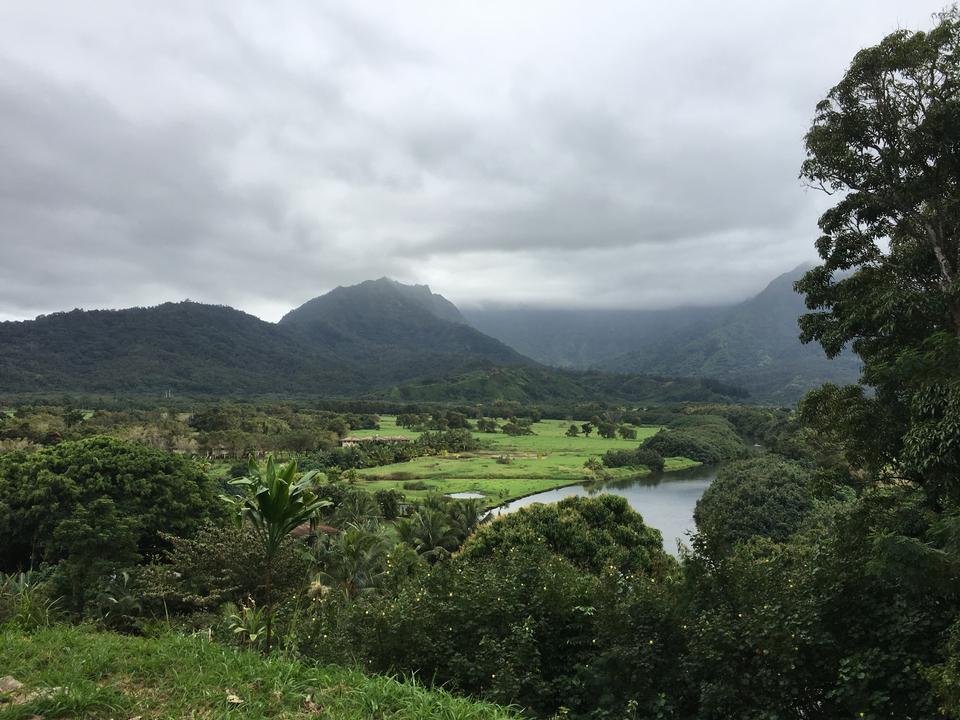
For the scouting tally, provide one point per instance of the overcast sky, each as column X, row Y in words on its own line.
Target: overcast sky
column 606, row 154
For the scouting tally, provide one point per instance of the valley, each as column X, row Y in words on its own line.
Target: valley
column 507, row 467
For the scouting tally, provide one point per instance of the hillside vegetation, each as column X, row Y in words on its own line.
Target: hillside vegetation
column 381, row 337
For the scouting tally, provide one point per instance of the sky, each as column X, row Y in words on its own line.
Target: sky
column 630, row 154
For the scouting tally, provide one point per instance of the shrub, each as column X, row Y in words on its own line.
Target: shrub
column 704, row 438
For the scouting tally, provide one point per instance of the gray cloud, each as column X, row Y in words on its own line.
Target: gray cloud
column 618, row 154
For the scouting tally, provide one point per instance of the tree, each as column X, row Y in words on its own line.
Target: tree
column 572, row 431
column 486, row 425
column 627, row 432
column 429, row 532
column 586, row 429
column 278, row 500
column 607, row 430
column 886, row 142
column 515, row 429
column 389, row 502
column 760, row 497
column 97, row 485
column 355, row 559
column 595, row 534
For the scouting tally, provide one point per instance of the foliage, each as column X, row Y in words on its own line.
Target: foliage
column 523, row 627
column 218, row 565
column 277, row 501
column 704, row 438
column 25, row 601
column 95, row 506
column 841, row 620
column 761, row 497
column 638, row 457
column 100, row 491
column 248, row 624
column 362, row 558
column 390, row 502
column 592, row 533
column 885, row 142
column 438, row 527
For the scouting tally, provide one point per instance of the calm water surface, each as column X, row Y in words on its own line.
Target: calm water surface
column 666, row 500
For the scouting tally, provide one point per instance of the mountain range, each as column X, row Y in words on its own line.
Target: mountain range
column 753, row 344
column 386, row 339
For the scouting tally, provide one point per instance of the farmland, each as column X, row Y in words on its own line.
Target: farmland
column 506, row 467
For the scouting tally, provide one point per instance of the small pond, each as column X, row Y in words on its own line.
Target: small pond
column 466, row 495
column 666, row 500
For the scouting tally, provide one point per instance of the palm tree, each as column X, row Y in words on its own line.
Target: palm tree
column 463, row 515
column 428, row 531
column 356, row 558
column 356, row 507
column 277, row 500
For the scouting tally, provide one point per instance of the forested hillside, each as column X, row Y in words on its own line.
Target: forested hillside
column 754, row 344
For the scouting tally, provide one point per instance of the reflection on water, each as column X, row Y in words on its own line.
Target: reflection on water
column 666, row 500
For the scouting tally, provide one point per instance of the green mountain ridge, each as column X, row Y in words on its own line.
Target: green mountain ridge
column 385, row 339
column 343, row 343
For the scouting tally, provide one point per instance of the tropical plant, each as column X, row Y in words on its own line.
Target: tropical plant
column 428, row 531
column 248, row 623
column 278, row 500
column 355, row 559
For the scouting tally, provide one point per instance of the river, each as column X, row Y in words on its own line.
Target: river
column 666, row 500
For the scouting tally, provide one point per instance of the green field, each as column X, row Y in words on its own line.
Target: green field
column 506, row 467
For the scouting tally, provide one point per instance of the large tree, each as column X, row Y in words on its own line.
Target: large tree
column 886, row 143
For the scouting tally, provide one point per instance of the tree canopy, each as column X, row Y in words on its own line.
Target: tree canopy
column 886, row 143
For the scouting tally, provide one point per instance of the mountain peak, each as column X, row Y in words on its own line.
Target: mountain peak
column 384, row 295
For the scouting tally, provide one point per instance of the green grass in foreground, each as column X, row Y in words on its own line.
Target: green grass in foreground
column 545, row 460
column 69, row 672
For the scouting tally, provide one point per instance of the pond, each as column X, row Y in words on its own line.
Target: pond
column 666, row 500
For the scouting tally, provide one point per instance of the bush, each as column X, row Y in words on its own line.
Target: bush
column 389, row 502
column 522, row 626
column 416, row 485
column 516, row 429
column 218, row 565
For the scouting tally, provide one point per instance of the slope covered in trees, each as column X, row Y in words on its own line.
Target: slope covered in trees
column 348, row 341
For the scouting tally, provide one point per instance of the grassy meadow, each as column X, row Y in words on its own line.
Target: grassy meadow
column 506, row 467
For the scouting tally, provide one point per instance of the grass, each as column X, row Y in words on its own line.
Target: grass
column 388, row 426
column 533, row 463
column 71, row 672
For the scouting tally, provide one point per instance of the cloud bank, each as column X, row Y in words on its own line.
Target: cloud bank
column 621, row 154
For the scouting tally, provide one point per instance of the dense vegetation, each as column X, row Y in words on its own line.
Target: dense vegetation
column 398, row 342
